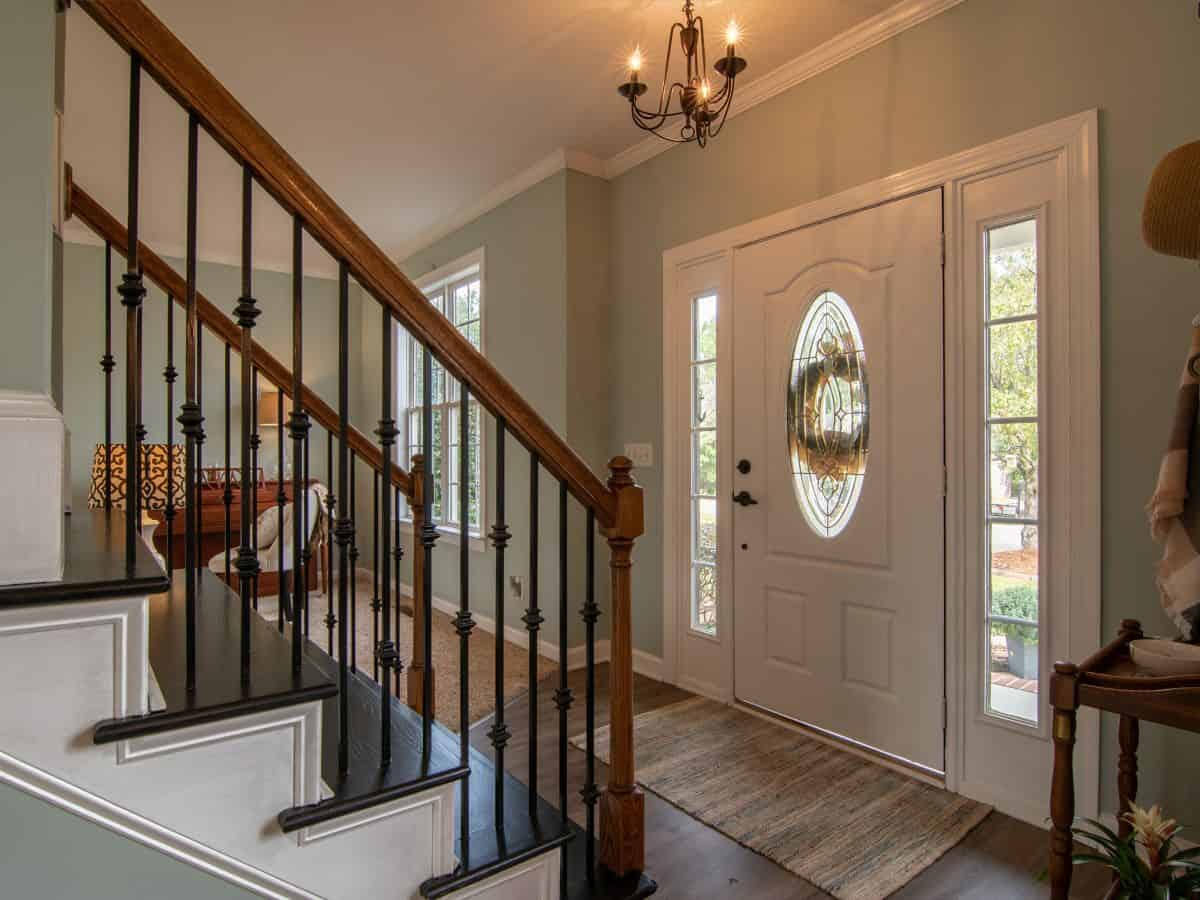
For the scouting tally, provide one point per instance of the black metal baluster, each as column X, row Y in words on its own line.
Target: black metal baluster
column 200, row 437
column 533, row 620
column 464, row 623
column 307, row 531
column 132, row 294
column 330, row 506
column 255, row 444
column 280, row 502
column 191, row 421
column 591, row 612
column 227, row 494
column 397, row 557
column 107, row 364
column 142, row 458
column 387, row 653
column 499, row 732
column 353, row 563
column 245, row 314
column 562, row 695
column 429, row 536
column 378, row 524
column 298, row 429
column 345, row 529
column 170, row 374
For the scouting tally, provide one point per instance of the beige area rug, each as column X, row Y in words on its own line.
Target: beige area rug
column 854, row 828
column 482, row 680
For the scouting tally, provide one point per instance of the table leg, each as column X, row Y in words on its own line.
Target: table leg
column 1062, row 804
column 1127, row 771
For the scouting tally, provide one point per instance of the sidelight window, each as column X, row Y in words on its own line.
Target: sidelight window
column 703, row 422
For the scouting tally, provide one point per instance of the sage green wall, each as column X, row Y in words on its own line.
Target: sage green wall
column 83, row 343
column 46, row 852
column 982, row 71
column 27, row 177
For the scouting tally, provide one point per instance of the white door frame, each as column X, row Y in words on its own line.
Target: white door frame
column 1072, row 140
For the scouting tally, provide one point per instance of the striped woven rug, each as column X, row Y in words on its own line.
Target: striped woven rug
column 855, row 829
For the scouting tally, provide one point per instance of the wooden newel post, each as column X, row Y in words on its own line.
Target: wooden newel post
column 622, row 805
column 1064, row 699
column 416, row 667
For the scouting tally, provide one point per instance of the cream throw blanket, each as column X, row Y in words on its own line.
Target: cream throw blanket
column 1174, row 516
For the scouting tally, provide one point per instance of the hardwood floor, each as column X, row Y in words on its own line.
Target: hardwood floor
column 997, row 861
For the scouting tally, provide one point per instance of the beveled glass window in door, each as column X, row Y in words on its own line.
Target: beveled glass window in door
column 828, row 415
column 1012, row 434
column 703, row 428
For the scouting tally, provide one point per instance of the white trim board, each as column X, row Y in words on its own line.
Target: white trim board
column 646, row 664
column 1073, row 141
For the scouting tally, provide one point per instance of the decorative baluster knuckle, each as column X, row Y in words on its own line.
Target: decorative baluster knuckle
column 533, row 620
column 170, row 374
column 388, row 657
column 464, row 623
column 500, row 536
column 564, row 699
column 246, row 312
column 499, row 734
column 298, row 425
column 107, row 363
column 247, row 562
column 132, row 290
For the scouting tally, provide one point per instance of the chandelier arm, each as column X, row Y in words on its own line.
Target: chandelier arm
column 725, row 111
column 663, row 113
column 663, row 96
column 655, row 131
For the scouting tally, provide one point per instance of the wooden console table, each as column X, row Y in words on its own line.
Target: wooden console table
column 1110, row 681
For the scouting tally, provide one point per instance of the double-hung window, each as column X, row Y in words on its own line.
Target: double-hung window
column 457, row 292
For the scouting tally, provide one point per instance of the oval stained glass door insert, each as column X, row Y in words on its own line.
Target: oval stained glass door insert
column 828, row 415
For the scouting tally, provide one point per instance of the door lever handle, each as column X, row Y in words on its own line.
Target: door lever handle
column 743, row 498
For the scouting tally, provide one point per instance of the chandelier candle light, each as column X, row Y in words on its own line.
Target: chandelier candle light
column 700, row 112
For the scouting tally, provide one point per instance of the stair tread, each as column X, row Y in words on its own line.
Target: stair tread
column 220, row 692
column 521, row 837
column 94, row 564
column 366, row 783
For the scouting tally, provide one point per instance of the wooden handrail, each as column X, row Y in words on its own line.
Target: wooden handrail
column 131, row 24
column 96, row 217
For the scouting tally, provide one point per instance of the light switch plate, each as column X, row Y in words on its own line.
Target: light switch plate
column 641, row 455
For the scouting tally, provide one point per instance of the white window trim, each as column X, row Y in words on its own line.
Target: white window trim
column 473, row 263
column 1073, row 141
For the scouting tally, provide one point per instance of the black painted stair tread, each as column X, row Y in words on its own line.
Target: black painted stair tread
column 491, row 850
column 94, row 564
column 367, row 784
column 220, row 691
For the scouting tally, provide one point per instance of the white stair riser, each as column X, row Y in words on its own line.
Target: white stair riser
column 33, row 483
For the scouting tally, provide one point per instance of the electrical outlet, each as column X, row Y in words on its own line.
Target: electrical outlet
column 516, row 586
column 641, row 455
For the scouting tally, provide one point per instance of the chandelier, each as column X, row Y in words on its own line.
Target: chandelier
column 691, row 103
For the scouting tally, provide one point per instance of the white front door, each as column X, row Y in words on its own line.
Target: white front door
column 838, row 446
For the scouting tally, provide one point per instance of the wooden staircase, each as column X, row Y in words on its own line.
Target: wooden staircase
column 217, row 661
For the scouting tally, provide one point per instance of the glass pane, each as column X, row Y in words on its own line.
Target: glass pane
column 704, row 599
column 704, row 530
column 828, row 419
column 1013, row 369
column 1013, row 673
column 473, row 426
column 466, row 302
column 704, row 463
column 438, row 462
column 1012, row 270
column 438, row 299
column 1013, row 585
column 1013, row 469
column 704, row 325
column 704, row 395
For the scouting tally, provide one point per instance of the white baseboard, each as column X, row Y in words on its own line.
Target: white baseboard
column 646, row 664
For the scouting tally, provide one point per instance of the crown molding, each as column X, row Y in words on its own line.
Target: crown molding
column 560, row 159
column 862, row 37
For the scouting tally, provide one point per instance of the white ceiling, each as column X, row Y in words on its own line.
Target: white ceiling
column 405, row 112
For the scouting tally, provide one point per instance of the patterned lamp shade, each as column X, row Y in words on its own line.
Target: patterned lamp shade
column 157, row 474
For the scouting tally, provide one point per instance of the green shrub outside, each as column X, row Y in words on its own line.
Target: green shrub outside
column 1020, row 602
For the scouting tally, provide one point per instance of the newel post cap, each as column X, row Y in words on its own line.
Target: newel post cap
column 629, row 522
